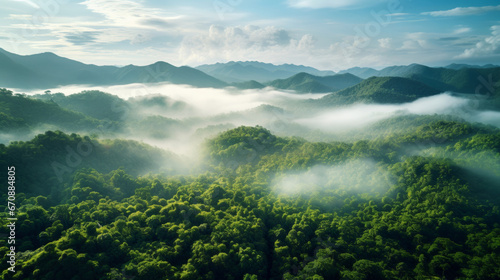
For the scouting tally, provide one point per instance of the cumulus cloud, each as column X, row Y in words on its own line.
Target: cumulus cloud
column 243, row 43
column 490, row 46
column 385, row 42
column 463, row 11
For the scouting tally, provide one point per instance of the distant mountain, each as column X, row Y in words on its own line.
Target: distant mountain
column 463, row 79
column 252, row 70
column 307, row 83
column 380, row 90
column 362, row 72
column 13, row 74
column 249, row 85
column 456, row 66
column 47, row 70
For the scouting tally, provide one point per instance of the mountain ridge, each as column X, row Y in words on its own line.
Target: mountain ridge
column 307, row 83
column 48, row 70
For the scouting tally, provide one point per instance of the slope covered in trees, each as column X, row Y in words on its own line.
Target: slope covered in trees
column 22, row 112
column 307, row 83
column 260, row 210
column 381, row 90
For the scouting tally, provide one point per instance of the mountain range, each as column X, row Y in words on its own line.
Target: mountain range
column 239, row 71
column 307, row 83
column 455, row 77
column 48, row 70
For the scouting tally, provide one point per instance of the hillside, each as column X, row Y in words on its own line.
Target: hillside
column 266, row 208
column 457, row 78
column 13, row 74
column 32, row 113
column 249, row 85
column 362, row 72
column 307, row 83
column 384, row 90
column 96, row 104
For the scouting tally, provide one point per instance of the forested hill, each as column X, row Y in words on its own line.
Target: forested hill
column 380, row 90
column 20, row 113
column 307, row 83
column 398, row 207
column 458, row 78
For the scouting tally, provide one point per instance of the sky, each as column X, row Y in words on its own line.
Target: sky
column 328, row 35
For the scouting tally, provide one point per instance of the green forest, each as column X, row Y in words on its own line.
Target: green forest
column 413, row 197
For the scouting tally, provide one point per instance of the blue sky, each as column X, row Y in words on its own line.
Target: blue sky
column 324, row 34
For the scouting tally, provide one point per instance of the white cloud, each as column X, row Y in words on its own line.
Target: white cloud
column 463, row 11
column 243, row 43
column 318, row 4
column 306, row 43
column 359, row 116
column 462, row 30
column 490, row 46
column 385, row 42
column 128, row 13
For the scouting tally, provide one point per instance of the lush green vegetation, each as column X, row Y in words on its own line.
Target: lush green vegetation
column 307, row 83
column 426, row 216
column 380, row 90
column 23, row 113
column 409, row 197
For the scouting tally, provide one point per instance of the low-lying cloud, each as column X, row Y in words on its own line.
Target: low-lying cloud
column 179, row 118
column 368, row 178
column 359, row 116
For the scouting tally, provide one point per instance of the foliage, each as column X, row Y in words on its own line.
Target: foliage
column 231, row 222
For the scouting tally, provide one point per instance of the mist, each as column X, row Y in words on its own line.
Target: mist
column 359, row 116
column 203, row 101
column 369, row 178
column 181, row 118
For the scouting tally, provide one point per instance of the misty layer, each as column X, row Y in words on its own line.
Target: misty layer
column 355, row 176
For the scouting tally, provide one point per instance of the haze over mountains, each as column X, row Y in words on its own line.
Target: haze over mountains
column 124, row 158
column 253, row 70
column 47, row 70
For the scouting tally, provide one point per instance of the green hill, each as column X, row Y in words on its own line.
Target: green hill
column 93, row 103
column 266, row 208
column 33, row 113
column 49, row 160
column 458, row 79
column 307, row 83
column 249, row 85
column 380, row 90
